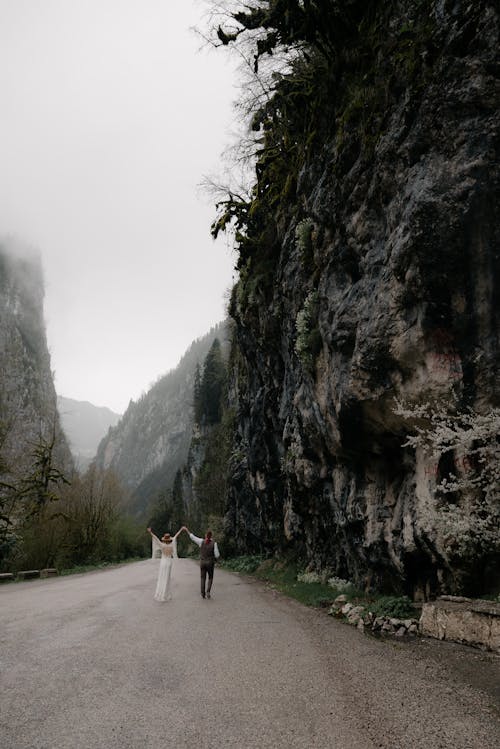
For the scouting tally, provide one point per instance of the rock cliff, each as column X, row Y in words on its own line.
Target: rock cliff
column 373, row 275
column 28, row 409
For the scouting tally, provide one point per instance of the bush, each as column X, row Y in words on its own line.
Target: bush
column 309, row 577
column 393, row 606
column 340, row 585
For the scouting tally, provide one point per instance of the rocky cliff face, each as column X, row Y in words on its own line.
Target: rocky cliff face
column 27, row 396
column 382, row 283
column 151, row 441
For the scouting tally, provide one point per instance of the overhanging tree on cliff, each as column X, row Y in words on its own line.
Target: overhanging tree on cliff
column 320, row 24
column 296, row 49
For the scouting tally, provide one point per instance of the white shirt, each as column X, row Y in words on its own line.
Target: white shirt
column 199, row 541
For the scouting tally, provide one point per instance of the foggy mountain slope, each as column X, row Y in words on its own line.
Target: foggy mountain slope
column 85, row 425
column 151, row 441
column 28, row 410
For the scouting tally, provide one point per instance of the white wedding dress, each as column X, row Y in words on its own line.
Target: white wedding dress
column 168, row 552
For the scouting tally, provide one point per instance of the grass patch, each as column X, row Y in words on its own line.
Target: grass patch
column 282, row 575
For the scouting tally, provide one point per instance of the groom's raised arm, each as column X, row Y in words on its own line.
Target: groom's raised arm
column 194, row 538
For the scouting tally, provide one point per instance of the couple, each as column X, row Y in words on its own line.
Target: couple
column 209, row 552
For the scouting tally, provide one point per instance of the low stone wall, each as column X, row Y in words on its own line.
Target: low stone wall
column 28, row 574
column 49, row 572
column 465, row 620
column 6, row 577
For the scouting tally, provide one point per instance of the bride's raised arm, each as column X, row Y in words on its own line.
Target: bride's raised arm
column 153, row 535
column 156, row 544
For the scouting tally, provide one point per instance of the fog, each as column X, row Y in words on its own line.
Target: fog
column 111, row 116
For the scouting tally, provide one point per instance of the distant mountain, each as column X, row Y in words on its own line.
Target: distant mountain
column 151, row 441
column 85, row 425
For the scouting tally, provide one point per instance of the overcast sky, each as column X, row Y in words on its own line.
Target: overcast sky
column 110, row 118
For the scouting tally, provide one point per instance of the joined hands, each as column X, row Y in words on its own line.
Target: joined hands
column 183, row 528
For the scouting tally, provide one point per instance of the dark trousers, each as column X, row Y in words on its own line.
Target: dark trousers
column 206, row 568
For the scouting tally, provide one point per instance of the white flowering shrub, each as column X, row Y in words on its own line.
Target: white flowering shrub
column 339, row 584
column 308, row 341
column 303, row 235
column 309, row 577
column 469, row 521
column 326, row 578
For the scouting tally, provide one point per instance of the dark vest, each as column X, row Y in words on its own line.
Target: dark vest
column 207, row 551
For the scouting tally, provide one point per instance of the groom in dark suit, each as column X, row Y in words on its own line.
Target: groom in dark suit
column 209, row 552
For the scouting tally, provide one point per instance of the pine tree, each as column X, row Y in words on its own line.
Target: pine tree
column 197, row 394
column 177, row 503
column 213, row 385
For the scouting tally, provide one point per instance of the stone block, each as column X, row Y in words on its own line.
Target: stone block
column 467, row 626
column 357, row 610
column 28, row 574
column 49, row 572
column 462, row 621
column 494, row 641
column 6, row 577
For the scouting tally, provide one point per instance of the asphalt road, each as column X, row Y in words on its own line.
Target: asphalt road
column 93, row 661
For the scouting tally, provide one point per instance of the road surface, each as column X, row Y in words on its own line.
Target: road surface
column 92, row 661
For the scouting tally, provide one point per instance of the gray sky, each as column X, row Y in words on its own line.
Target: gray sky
column 110, row 117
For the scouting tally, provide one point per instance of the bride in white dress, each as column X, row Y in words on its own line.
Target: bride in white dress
column 168, row 549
